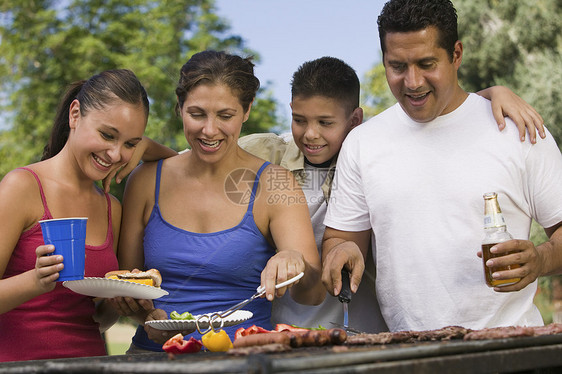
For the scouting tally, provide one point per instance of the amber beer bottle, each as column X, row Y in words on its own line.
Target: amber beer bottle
column 495, row 231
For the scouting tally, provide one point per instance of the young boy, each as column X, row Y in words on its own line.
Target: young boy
column 325, row 107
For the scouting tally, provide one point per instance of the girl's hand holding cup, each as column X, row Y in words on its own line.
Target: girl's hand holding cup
column 47, row 267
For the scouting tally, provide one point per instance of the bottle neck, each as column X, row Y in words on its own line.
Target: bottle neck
column 493, row 216
column 495, row 228
column 494, row 219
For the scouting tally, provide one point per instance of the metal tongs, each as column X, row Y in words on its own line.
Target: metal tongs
column 219, row 316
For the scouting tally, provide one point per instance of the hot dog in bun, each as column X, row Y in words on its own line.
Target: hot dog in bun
column 150, row 277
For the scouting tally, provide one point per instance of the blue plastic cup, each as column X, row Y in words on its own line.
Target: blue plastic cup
column 68, row 235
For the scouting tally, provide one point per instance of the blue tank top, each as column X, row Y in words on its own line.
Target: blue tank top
column 207, row 272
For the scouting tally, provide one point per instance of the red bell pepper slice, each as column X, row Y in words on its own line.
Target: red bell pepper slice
column 284, row 327
column 249, row 331
column 176, row 344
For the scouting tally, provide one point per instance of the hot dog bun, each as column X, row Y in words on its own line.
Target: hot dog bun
column 150, row 277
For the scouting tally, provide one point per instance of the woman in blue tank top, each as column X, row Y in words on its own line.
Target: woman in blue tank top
column 216, row 221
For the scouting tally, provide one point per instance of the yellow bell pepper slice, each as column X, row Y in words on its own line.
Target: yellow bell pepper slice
column 217, row 341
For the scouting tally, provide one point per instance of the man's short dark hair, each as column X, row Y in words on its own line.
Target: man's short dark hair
column 416, row 15
column 329, row 77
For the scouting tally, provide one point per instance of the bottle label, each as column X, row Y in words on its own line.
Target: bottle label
column 494, row 220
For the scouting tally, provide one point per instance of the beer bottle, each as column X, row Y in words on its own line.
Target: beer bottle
column 495, row 231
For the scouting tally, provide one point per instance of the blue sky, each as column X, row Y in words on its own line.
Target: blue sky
column 287, row 33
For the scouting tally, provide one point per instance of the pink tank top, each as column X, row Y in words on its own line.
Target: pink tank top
column 59, row 323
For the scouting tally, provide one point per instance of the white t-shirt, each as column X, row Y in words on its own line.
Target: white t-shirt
column 419, row 186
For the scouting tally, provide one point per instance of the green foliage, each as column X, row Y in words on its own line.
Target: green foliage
column 376, row 95
column 263, row 117
column 45, row 45
column 537, row 236
column 517, row 44
column 543, row 298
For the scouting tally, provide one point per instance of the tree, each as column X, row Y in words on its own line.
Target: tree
column 376, row 95
column 46, row 45
column 516, row 44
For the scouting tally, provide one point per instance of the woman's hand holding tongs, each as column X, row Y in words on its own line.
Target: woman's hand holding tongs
column 280, row 268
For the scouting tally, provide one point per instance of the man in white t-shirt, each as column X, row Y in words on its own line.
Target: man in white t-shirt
column 413, row 177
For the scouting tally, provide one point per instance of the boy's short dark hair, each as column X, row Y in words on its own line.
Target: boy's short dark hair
column 416, row 15
column 329, row 77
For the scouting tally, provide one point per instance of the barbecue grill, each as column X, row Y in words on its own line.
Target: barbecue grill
column 537, row 354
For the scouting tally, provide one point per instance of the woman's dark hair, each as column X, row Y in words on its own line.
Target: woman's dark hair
column 212, row 67
column 416, row 15
column 97, row 92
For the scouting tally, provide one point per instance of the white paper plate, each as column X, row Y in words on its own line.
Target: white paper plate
column 171, row 324
column 105, row 287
